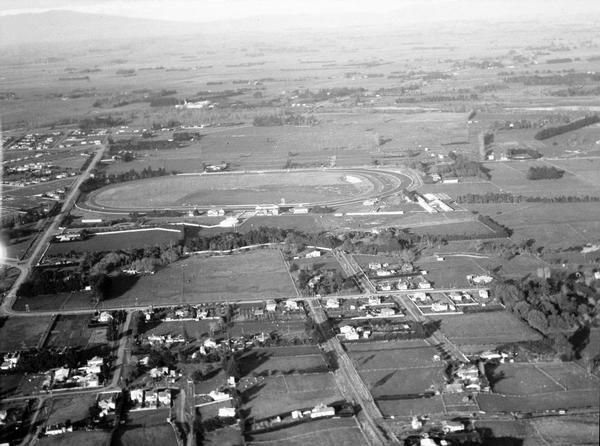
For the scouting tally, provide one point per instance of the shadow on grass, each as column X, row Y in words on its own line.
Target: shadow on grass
column 119, row 285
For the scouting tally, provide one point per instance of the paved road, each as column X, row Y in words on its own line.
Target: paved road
column 44, row 239
column 351, row 384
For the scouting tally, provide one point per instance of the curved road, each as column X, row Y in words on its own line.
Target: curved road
column 386, row 182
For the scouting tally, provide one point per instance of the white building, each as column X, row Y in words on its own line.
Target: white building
column 215, row 212
column 291, row 305
column 313, row 254
column 137, row 396
column 271, row 305
column 439, row 306
column 332, row 302
column 321, row 410
column 226, row 412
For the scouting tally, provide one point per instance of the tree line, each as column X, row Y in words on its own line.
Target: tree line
column 506, row 197
column 544, row 173
column 549, row 132
column 101, row 180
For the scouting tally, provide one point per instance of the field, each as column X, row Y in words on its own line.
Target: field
column 489, row 328
column 146, row 427
column 547, row 223
column 571, row 399
column 74, row 331
column 330, row 432
column 281, row 360
column 411, row 407
column 527, row 379
column 231, row 189
column 75, row 408
column 558, row 431
column 22, row 333
column 268, row 396
column 113, row 242
column 252, row 275
column 92, row 438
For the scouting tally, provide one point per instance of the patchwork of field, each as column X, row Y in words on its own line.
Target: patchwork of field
column 397, row 372
column 512, row 177
column 550, row 224
column 145, row 427
column 113, row 242
column 351, row 138
column 77, row 438
column 269, row 396
column 557, row 431
column 529, row 379
column 232, row 189
column 22, row 333
column 328, row 432
column 74, row 331
column 285, row 360
column 251, row 275
column 73, row 408
column 489, row 328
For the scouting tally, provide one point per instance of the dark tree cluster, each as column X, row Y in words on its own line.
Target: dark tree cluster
column 100, row 180
column 544, row 173
column 286, row 118
column 549, row 132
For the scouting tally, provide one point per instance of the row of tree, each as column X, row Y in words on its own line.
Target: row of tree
column 544, row 173
column 549, row 132
column 507, row 197
column 100, row 180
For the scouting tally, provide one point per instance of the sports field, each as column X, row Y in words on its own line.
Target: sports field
column 252, row 275
column 233, row 189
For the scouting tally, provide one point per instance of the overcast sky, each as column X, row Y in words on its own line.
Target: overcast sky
column 406, row 10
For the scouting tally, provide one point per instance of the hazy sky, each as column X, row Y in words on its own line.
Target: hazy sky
column 406, row 10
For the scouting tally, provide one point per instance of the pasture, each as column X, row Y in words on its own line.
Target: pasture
column 145, row 427
column 268, row 396
column 18, row 333
column 327, row 432
column 488, row 328
column 281, row 360
column 411, row 407
column 118, row 241
column 557, row 431
column 386, row 383
column 255, row 274
column 523, row 379
column 571, row 399
column 393, row 356
column 77, row 438
column 73, row 331
column 74, row 408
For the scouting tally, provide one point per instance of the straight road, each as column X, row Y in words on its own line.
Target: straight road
column 351, row 384
column 44, row 239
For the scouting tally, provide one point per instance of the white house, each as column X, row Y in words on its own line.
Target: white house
column 215, row 213
column 385, row 286
column 151, row 398
column 321, row 410
column 271, row 305
column 61, row 374
column 137, row 396
column 313, row 254
column 210, row 343
column 95, row 361
column 456, row 297
column 300, row 210
column 219, row 396
column 483, row 294
column 291, row 305
column 332, row 302
column 439, row 306
column 105, row 317
column 387, row 312
column 420, row 296
column 402, row 285
column 374, row 300
column 164, row 397
column 226, row 412
column 424, row 285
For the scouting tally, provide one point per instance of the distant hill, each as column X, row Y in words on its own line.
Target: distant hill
column 68, row 26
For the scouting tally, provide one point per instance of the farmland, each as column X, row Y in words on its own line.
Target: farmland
column 332, row 432
column 123, row 240
column 490, row 328
column 146, row 427
column 94, row 438
column 16, row 334
column 252, row 275
column 74, row 331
